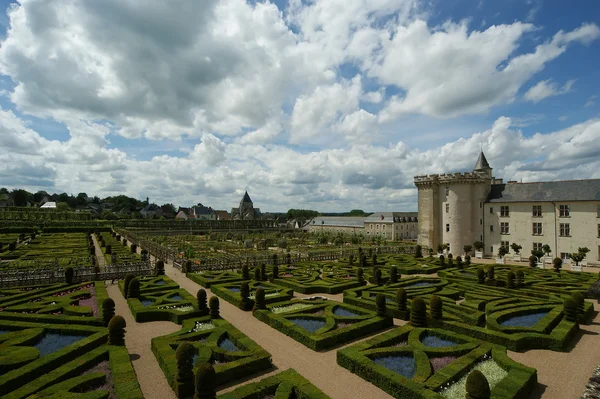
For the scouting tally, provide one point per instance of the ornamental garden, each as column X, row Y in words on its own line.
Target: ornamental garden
column 412, row 326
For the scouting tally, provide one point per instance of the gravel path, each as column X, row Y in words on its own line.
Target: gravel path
column 99, row 254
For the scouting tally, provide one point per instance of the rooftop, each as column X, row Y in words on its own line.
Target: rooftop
column 551, row 191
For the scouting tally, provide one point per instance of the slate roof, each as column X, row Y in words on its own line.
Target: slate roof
column 151, row 207
column 482, row 163
column 389, row 216
column 551, row 191
column 339, row 221
column 246, row 198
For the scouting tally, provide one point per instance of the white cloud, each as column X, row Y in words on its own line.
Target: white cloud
column 591, row 101
column 547, row 88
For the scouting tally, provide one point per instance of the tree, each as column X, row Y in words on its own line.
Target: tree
column 516, row 247
column 477, row 386
column 82, row 199
column 20, row 197
column 478, row 245
column 468, row 249
column 502, row 251
column 184, row 355
column 557, row 262
column 546, row 248
column 580, row 255
column 116, row 331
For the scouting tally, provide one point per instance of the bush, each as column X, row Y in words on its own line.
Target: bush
column 213, row 303
column 467, row 260
column 360, row 275
column 520, row 277
column 108, row 311
column 579, row 302
column 245, row 272
column 477, row 386
column 145, row 255
column 510, row 280
column 480, row 275
column 491, row 274
column 393, row 274
column 184, row 356
column 116, row 331
column 259, row 300
column 401, row 299
column 12, row 246
column 435, row 307
column 160, row 268
column 380, row 305
column 126, row 283
column 69, row 274
column 275, row 271
column 570, row 309
column 201, row 299
column 418, row 316
column 205, row 382
column 133, row 290
column 557, row 263
column 288, row 258
column 263, row 271
column 450, row 260
column 257, row 274
column 418, row 252
column 133, row 248
column 187, row 266
column 377, row 276
column 532, row 261
column 441, row 258
column 459, row 262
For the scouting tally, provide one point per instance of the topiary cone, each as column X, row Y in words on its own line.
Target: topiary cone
column 116, row 331
column 570, row 310
column 418, row 316
column 126, row 282
column 160, row 268
column 205, row 382
column 133, row 290
column 435, row 307
column 579, row 300
column 108, row 311
column 201, row 298
column 401, row 299
column 477, row 386
column 380, row 305
column 393, row 274
column 213, row 304
column 259, row 300
column 184, row 356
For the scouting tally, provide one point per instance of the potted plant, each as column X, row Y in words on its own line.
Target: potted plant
column 501, row 252
column 546, row 248
column 537, row 254
column 579, row 258
column 584, row 252
column 468, row 249
column 516, row 248
column 478, row 249
column 440, row 249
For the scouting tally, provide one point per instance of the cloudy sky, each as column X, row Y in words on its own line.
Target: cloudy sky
column 323, row 104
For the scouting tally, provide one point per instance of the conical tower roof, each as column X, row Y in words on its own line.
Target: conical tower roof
column 246, row 198
column 482, row 163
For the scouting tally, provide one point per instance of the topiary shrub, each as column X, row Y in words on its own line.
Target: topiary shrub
column 12, row 246
column 360, row 275
column 205, row 382
column 477, row 386
column 263, row 271
column 579, row 300
column 245, row 272
column 116, row 331
column 510, row 280
column 557, row 263
column 244, row 295
column 450, row 260
column 480, row 275
column 133, row 248
column 108, row 311
column 532, row 261
column 467, row 260
column 377, row 276
column 126, row 282
column 491, row 274
column 201, row 299
column 275, row 272
column 380, row 305
column 144, row 254
column 69, row 274
column 393, row 274
column 520, row 278
column 401, row 299
column 259, row 300
column 459, row 262
column 133, row 290
column 374, row 260
column 288, row 258
column 187, row 266
column 418, row 316
column 441, row 258
column 257, row 274
column 570, row 310
column 184, row 356
column 213, row 304
column 418, row 251
column 350, row 258
column 435, row 307
column 160, row 268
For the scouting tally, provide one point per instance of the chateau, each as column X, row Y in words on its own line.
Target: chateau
column 458, row 209
column 394, row 226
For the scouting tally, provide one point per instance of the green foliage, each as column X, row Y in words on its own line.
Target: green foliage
column 401, row 299
column 360, row 275
column 532, row 260
column 557, row 263
column 301, row 214
column 394, row 274
column 502, row 251
column 477, row 386
column 546, row 248
column 418, row 316
column 133, row 290
column 275, row 271
column 205, row 382
column 259, row 300
column 516, row 247
column 263, row 271
column 520, row 278
column 418, row 251
column 245, row 272
column 257, row 274
column 201, row 299
column 108, row 310
column 510, row 280
column 467, row 260
column 69, row 274
column 491, row 274
column 480, row 275
column 126, row 282
column 467, row 249
column 570, row 309
column 184, row 356
column 213, row 304
column 579, row 300
column 377, row 276
column 459, row 262
column 380, row 305
column 442, row 261
column 160, row 268
column 116, row 331
column 435, row 307
column 478, row 245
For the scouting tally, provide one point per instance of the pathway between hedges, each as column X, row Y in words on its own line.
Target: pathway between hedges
column 99, row 255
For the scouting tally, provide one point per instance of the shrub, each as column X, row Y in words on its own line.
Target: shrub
column 213, row 303
column 257, row 274
column 275, row 271
column 116, row 331
column 288, row 258
column 134, row 289
column 393, row 274
column 579, row 302
column 205, row 382
column 480, row 275
column 435, row 307
column 477, row 386
column 459, row 262
column 520, row 277
column 360, row 275
column 133, row 248
column 377, row 276
column 491, row 274
column 374, row 259
column 418, row 252
column 263, row 271
column 557, row 263
column 187, row 266
column 274, row 259
column 380, row 305
column 126, row 283
column 467, row 260
column 350, row 258
column 450, row 260
column 570, row 309
column 418, row 317
column 160, row 268
column 12, row 246
column 532, row 261
column 441, row 258
column 144, row 253
column 245, row 272
column 108, row 310
column 401, row 299
column 201, row 299
column 244, row 295
column 69, row 274
column 510, row 280
column 184, row 356
column 259, row 299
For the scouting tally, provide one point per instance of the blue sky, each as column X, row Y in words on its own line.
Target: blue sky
column 288, row 101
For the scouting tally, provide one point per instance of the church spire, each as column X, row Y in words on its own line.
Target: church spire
column 482, row 163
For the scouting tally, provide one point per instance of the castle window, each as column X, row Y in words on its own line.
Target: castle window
column 447, row 227
column 565, row 256
column 564, row 211
column 565, row 230
column 383, row 227
column 504, row 212
column 491, row 210
column 505, row 244
column 377, row 226
column 447, row 208
column 481, row 204
column 447, row 190
column 537, row 246
column 491, row 228
column 598, row 211
column 599, row 230
column 504, row 228
column 536, row 212
column 371, row 226
column 492, row 249
column 481, row 222
column 537, row 229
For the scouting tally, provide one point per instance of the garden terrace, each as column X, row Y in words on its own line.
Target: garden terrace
column 410, row 362
column 273, row 292
column 233, row 355
column 207, row 279
column 52, row 342
column 318, row 277
column 321, row 324
column 121, row 251
column 286, row 384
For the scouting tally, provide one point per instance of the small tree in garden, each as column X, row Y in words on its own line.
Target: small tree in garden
column 245, row 272
column 418, row 252
column 520, row 278
column 363, row 260
column 478, row 245
column 450, row 260
column 274, row 259
column 546, row 248
column 480, row 275
column 468, row 249
column 430, row 251
column 69, row 274
column 275, row 271
column 288, row 258
column 442, row 262
column 477, row 386
column 440, row 248
column 377, row 276
column 124, row 242
column 491, row 275
column 516, row 247
column 359, row 275
column 502, row 251
column 213, row 303
column 374, row 260
column 245, row 304
column 418, row 317
column 133, row 248
column 579, row 301
column 126, row 282
column 394, row 274
column 201, row 299
column 435, row 307
column 134, row 289
column 186, row 267
column 184, row 355
column 108, row 311
column 160, row 268
column 557, row 263
column 579, row 255
column 257, row 274
column 116, row 331
column 570, row 310
column 467, row 260
column 108, row 249
column 459, row 262
column 259, row 300
column 532, row 261
column 263, row 271
column 401, row 299
column 144, row 254
column 350, row 259
column 510, row 280
column 380, row 305
column 205, row 382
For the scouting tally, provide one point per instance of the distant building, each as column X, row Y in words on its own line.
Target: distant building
column 246, row 210
column 151, row 211
column 393, row 226
column 221, row 215
column 49, row 205
column 196, row 212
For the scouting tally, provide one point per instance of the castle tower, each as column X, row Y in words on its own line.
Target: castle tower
column 451, row 207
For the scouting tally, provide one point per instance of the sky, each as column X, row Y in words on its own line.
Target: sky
column 329, row 105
